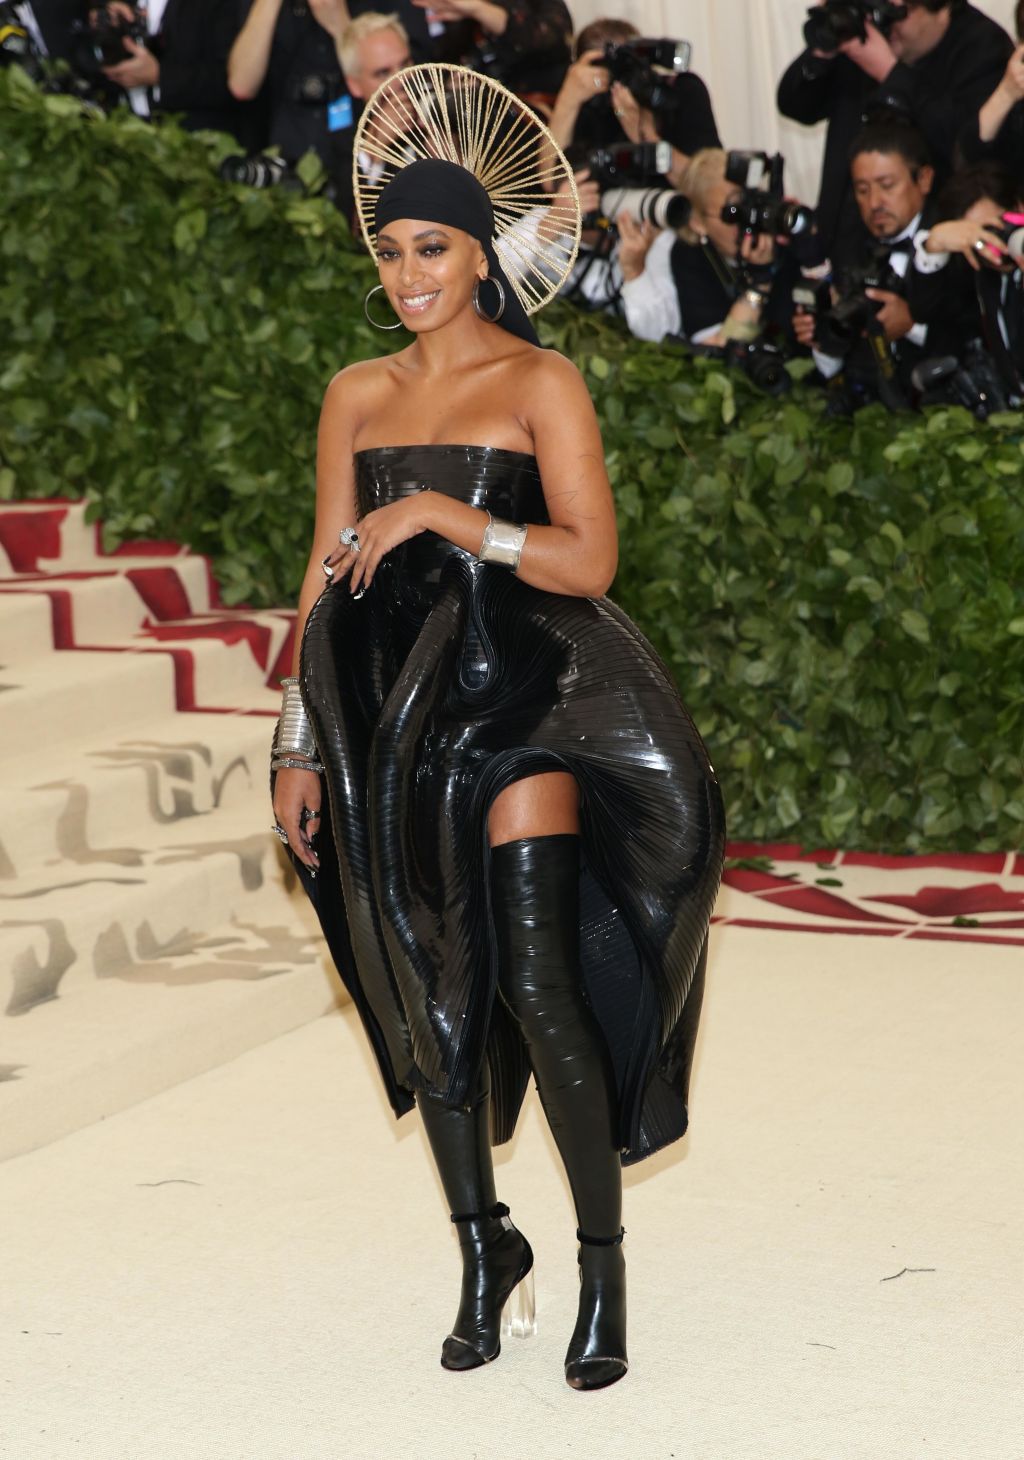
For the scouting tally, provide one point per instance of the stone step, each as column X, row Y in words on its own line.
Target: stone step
column 53, row 536
column 103, row 1044
column 70, row 924
column 66, row 698
column 112, row 803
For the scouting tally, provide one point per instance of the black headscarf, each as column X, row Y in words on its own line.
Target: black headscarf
column 438, row 191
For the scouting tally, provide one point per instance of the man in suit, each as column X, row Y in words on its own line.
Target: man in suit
column 181, row 67
column 938, row 65
column 891, row 181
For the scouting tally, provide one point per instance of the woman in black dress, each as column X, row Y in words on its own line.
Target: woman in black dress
column 521, row 840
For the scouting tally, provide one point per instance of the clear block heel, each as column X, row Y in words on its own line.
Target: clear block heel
column 519, row 1315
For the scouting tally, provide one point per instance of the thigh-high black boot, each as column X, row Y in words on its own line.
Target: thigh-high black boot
column 496, row 1258
column 535, row 899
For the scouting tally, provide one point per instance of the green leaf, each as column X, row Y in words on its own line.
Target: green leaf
column 916, row 625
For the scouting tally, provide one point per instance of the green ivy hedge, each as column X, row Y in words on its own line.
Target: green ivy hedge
column 840, row 602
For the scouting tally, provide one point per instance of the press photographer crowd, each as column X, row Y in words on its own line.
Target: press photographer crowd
column 902, row 283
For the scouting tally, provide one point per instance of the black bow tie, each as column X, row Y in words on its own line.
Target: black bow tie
column 900, row 245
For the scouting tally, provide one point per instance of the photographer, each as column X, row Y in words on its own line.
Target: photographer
column 372, row 48
column 708, row 282
column 285, row 55
column 977, row 252
column 175, row 59
column 593, row 109
column 997, row 132
column 936, row 60
column 522, row 43
column 871, row 334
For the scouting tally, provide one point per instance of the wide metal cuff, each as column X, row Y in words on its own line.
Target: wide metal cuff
column 294, row 734
column 502, row 542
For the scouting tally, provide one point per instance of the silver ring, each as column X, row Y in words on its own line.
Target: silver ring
column 280, row 832
column 979, row 245
column 349, row 538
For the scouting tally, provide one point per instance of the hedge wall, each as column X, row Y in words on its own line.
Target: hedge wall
column 840, row 602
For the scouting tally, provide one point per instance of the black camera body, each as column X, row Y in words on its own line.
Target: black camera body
column 763, row 365
column 973, row 382
column 648, row 68
column 829, row 26
column 763, row 207
column 95, row 46
column 629, row 164
column 840, row 327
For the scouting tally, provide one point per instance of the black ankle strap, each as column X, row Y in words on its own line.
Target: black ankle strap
column 498, row 1210
column 601, row 1241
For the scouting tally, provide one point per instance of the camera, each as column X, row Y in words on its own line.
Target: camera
column 315, row 89
column 973, row 382
column 260, row 171
column 762, row 208
column 660, row 206
column 841, row 326
column 1010, row 229
column 95, row 46
column 638, row 163
column 648, row 68
column 829, row 26
column 764, row 365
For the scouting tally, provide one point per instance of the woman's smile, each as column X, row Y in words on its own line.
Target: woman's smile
column 419, row 302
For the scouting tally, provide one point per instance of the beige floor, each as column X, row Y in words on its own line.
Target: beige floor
column 257, row 1263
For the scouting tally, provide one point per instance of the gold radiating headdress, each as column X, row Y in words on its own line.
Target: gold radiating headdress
column 461, row 116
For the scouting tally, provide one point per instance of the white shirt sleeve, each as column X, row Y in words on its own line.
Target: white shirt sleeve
column 651, row 301
column 927, row 263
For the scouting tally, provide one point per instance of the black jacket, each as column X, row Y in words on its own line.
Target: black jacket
column 942, row 92
column 192, row 47
column 707, row 289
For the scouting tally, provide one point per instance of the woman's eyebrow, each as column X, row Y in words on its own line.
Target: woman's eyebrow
column 427, row 233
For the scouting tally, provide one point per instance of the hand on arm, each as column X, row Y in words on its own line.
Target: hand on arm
column 578, row 553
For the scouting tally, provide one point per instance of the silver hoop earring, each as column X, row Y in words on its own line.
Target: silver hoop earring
column 490, row 318
column 366, row 310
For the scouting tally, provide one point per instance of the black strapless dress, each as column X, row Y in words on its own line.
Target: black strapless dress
column 448, row 680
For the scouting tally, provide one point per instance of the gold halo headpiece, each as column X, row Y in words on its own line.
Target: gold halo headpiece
column 458, row 115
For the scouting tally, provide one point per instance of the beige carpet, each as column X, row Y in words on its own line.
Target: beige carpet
column 257, row 1263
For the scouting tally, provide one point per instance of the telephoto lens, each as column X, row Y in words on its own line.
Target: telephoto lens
column 660, row 206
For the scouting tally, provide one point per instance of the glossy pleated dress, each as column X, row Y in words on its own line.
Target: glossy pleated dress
column 445, row 682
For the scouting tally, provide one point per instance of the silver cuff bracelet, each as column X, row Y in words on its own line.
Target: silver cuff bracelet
column 502, row 542
column 294, row 735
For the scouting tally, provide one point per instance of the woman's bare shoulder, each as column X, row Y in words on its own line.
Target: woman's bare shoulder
column 547, row 371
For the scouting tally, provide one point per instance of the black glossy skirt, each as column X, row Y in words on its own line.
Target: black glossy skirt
column 447, row 681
